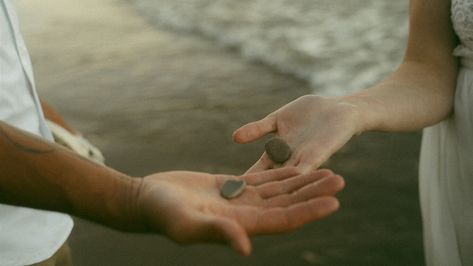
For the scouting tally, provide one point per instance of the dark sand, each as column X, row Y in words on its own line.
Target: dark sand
column 154, row 100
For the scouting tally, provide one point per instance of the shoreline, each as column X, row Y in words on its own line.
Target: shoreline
column 336, row 48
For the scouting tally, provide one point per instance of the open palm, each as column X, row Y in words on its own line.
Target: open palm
column 314, row 127
column 187, row 206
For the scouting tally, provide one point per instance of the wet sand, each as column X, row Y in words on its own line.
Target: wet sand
column 155, row 100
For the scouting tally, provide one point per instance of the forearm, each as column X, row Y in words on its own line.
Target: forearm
column 413, row 97
column 420, row 93
column 43, row 175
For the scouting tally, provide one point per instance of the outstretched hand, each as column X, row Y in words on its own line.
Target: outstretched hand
column 314, row 127
column 188, row 207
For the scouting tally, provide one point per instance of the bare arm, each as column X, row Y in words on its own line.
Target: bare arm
column 185, row 206
column 43, row 175
column 418, row 94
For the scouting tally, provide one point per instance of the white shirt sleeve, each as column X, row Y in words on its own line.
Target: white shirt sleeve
column 27, row 236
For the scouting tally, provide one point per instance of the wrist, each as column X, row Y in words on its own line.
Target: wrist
column 123, row 207
column 358, row 107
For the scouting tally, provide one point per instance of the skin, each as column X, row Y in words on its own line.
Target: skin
column 416, row 95
column 184, row 206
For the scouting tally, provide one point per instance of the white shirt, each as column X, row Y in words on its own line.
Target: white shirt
column 27, row 236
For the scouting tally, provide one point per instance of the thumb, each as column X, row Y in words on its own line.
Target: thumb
column 264, row 163
column 232, row 234
column 255, row 130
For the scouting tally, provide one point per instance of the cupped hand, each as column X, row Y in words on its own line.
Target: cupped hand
column 188, row 207
column 314, row 127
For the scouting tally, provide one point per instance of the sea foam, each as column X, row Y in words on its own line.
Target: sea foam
column 338, row 46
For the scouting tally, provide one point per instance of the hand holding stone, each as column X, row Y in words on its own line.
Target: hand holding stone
column 188, row 207
column 278, row 150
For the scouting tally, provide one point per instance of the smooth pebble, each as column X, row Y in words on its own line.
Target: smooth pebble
column 232, row 188
column 278, row 150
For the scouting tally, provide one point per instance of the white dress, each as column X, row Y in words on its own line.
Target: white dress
column 446, row 163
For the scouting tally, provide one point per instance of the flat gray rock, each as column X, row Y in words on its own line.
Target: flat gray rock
column 232, row 188
column 278, row 150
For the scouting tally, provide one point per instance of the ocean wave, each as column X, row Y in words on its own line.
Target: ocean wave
column 338, row 46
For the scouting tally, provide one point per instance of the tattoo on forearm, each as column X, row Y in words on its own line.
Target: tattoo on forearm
column 33, row 149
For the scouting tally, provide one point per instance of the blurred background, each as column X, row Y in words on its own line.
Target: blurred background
column 161, row 85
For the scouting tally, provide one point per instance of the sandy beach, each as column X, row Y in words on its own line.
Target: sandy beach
column 155, row 99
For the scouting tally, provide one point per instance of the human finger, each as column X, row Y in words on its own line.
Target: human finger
column 278, row 220
column 327, row 186
column 271, row 189
column 263, row 177
column 219, row 230
column 264, row 163
column 233, row 234
column 255, row 130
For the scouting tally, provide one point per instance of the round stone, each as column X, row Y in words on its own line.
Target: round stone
column 278, row 150
column 232, row 188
